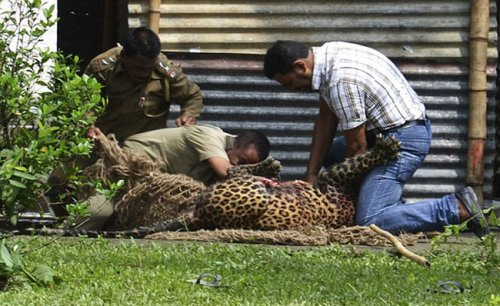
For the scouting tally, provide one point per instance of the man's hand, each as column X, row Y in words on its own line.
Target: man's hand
column 185, row 119
column 93, row 132
column 219, row 165
column 325, row 126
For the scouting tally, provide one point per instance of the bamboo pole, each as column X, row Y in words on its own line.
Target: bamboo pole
column 400, row 247
column 154, row 15
column 478, row 46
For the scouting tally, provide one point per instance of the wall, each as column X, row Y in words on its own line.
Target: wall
column 220, row 44
column 50, row 38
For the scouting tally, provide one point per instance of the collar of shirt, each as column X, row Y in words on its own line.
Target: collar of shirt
column 155, row 75
column 230, row 140
column 319, row 67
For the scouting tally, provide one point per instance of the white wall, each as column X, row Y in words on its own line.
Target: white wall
column 50, row 38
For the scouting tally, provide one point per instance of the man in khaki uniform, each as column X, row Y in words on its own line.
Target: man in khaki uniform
column 140, row 84
column 202, row 152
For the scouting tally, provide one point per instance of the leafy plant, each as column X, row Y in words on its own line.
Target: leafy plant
column 490, row 240
column 453, row 230
column 11, row 264
column 111, row 190
column 487, row 243
column 45, row 106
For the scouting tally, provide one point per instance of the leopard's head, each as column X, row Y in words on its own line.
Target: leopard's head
column 269, row 168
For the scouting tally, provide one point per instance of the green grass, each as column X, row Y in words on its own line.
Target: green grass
column 100, row 272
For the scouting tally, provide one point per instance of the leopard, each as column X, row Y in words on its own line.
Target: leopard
column 253, row 198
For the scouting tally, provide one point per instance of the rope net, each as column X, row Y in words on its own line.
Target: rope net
column 151, row 196
column 317, row 236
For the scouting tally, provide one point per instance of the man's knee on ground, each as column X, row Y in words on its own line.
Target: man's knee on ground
column 100, row 210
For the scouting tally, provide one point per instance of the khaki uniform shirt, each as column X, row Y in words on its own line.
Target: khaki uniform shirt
column 137, row 107
column 184, row 149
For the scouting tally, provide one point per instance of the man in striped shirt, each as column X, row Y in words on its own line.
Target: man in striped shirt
column 364, row 93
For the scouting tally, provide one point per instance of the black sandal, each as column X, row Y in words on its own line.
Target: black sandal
column 448, row 287
column 207, row 279
column 477, row 222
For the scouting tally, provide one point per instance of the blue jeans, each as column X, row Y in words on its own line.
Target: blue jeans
column 380, row 199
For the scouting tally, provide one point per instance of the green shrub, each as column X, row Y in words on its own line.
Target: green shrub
column 44, row 106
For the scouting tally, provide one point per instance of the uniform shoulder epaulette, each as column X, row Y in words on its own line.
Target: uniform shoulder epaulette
column 106, row 60
column 167, row 68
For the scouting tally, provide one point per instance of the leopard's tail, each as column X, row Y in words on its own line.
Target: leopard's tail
column 352, row 169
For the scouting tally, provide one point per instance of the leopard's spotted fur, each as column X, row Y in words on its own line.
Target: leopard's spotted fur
column 249, row 200
column 255, row 202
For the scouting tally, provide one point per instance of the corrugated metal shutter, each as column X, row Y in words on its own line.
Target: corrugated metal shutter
column 220, row 45
column 415, row 29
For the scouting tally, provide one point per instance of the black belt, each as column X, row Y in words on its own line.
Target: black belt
column 371, row 134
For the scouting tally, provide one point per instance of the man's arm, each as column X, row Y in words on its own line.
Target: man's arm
column 350, row 102
column 210, row 144
column 100, row 70
column 188, row 95
column 356, row 140
column 325, row 127
column 219, row 165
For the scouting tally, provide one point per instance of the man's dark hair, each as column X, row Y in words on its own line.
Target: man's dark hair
column 281, row 55
column 142, row 41
column 256, row 138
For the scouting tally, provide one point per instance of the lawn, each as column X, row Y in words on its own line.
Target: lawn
column 128, row 272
